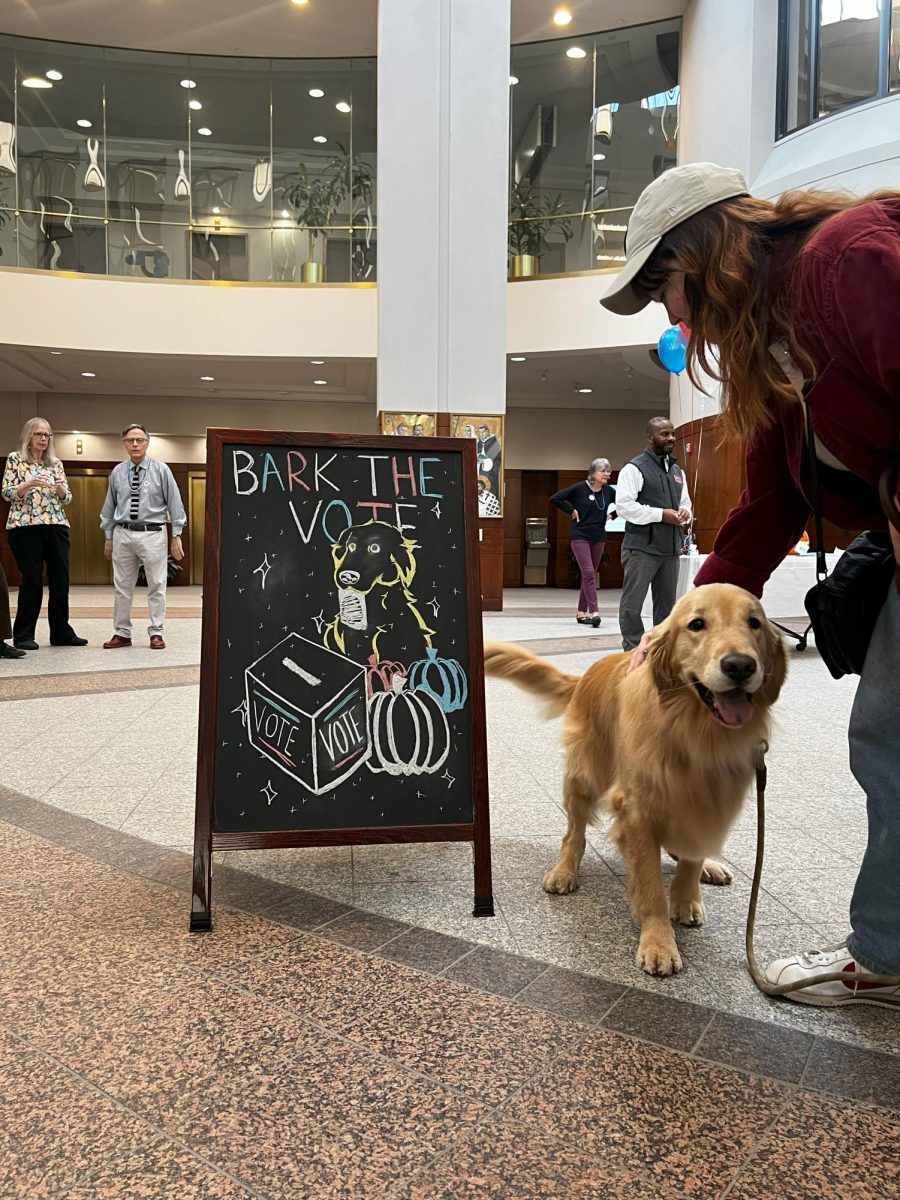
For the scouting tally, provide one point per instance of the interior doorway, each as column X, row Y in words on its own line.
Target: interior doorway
column 87, row 562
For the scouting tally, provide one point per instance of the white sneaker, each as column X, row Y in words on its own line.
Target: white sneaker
column 858, row 986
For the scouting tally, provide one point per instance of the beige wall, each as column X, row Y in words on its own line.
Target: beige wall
column 566, row 439
column 536, row 438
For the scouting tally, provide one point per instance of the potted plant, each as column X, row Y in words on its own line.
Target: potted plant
column 533, row 216
column 318, row 197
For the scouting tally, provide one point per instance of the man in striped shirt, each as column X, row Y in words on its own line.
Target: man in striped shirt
column 142, row 494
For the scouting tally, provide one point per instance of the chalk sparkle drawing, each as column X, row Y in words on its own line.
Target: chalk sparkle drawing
column 374, row 566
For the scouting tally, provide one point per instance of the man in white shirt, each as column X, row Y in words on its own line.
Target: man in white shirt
column 141, row 497
column 652, row 497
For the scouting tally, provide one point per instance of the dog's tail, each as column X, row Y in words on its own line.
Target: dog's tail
column 531, row 673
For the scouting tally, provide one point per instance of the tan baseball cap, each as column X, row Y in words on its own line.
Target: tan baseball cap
column 677, row 194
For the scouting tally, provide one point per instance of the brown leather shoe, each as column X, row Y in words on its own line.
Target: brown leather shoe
column 156, row 642
column 116, row 642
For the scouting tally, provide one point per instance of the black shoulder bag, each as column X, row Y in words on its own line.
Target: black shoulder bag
column 844, row 606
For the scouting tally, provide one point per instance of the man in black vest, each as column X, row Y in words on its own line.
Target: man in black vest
column 652, row 496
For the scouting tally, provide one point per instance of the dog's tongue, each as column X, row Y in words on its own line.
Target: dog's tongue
column 734, row 707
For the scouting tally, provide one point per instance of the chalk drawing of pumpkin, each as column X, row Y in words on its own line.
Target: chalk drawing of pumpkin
column 409, row 731
column 442, row 678
column 380, row 673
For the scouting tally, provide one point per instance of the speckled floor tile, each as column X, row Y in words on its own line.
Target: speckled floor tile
column 504, row 1161
column 352, row 1126
column 425, row 950
column 55, row 1129
column 363, row 930
column 483, row 1045
column 161, row 1169
column 324, row 982
column 855, row 1073
column 818, row 1148
column 672, row 1023
column 648, row 1110
column 495, row 971
column 756, row 1046
column 572, row 995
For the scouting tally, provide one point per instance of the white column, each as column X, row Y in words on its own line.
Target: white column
column 443, row 138
column 729, row 54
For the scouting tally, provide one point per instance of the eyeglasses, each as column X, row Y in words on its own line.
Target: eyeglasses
column 134, row 441
column 42, row 435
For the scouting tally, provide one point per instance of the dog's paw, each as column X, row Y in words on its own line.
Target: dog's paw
column 687, row 912
column 715, row 873
column 560, row 880
column 658, row 957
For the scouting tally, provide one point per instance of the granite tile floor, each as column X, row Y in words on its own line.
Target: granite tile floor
column 119, row 752
column 283, row 1061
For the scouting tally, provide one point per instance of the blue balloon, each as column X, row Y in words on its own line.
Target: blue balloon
column 672, row 346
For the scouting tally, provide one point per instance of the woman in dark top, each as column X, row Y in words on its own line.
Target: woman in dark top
column 589, row 503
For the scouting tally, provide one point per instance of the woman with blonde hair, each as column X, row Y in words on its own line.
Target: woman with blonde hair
column 37, row 529
column 792, row 306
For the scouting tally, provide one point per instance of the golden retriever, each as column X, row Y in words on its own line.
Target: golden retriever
column 668, row 748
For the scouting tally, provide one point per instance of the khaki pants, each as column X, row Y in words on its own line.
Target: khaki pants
column 131, row 549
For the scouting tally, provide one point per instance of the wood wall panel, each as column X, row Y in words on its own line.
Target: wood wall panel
column 490, row 547
column 715, row 475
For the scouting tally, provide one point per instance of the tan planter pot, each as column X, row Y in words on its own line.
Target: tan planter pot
column 312, row 272
column 524, row 266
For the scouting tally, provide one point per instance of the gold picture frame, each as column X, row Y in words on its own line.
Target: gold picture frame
column 488, row 433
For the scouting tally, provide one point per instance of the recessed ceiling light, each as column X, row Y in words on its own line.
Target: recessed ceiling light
column 576, row 52
column 285, row 213
column 56, row 351
column 205, row 131
column 517, row 358
column 320, row 138
column 217, row 210
column 36, row 81
column 188, row 83
column 316, row 93
column 300, row 3
column 585, row 391
column 76, row 432
column 84, row 123
column 89, row 374
column 562, row 16
column 320, row 382
column 513, row 80
column 54, row 75
column 195, row 105
column 599, row 157
column 207, row 379
column 342, row 106
column 317, row 362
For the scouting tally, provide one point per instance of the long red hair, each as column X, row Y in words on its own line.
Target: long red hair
column 724, row 252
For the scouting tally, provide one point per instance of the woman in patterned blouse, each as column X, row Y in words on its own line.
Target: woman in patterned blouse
column 37, row 530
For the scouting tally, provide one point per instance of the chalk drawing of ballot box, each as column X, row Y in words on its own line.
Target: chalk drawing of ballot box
column 306, row 711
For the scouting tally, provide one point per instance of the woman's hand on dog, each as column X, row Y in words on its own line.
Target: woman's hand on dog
column 639, row 653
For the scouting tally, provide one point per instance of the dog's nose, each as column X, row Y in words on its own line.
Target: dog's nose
column 348, row 577
column 738, row 667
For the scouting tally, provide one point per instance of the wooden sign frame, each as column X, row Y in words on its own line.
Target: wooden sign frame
column 206, row 838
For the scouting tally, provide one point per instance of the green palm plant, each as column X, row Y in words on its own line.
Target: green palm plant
column 533, row 217
column 317, row 198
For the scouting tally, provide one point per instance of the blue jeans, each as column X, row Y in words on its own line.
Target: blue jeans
column 875, row 762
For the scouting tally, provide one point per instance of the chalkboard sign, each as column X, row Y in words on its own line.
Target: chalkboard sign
column 341, row 674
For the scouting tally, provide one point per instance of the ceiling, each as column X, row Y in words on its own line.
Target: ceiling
column 619, row 378
column 278, row 28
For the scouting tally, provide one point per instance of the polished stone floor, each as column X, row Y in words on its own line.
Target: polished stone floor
column 349, row 1029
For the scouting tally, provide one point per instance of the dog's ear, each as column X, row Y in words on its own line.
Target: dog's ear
column 341, row 540
column 404, row 561
column 659, row 657
column 776, row 664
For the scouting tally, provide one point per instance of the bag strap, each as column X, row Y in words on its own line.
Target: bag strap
column 821, row 562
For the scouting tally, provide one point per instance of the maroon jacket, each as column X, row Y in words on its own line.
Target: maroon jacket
column 843, row 293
